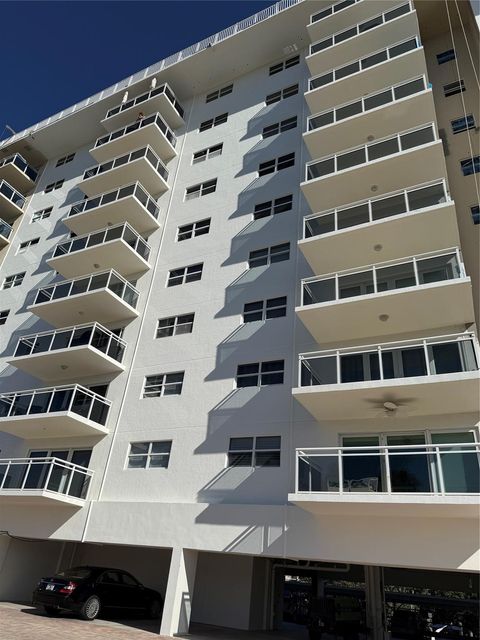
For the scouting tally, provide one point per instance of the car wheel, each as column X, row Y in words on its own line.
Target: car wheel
column 51, row 611
column 155, row 609
column 90, row 608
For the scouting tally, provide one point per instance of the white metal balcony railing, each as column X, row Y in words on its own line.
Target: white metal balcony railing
column 52, row 475
column 74, row 399
column 120, row 161
column 156, row 119
column 110, row 280
column 362, row 27
column 357, row 66
column 411, row 200
column 438, row 355
column 118, row 232
column 333, row 8
column 11, row 194
column 93, row 335
column 21, row 164
column 393, row 275
column 134, row 102
column 5, row 229
column 434, row 469
column 375, row 100
column 383, row 148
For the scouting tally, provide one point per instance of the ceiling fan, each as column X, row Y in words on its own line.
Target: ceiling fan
column 391, row 407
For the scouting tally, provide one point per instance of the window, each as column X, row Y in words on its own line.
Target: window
column 202, row 189
column 470, row 166
column 149, row 455
column 276, row 68
column 277, row 164
column 23, row 246
column 206, row 154
column 475, row 211
column 259, row 451
column 65, row 160
column 272, row 207
column 174, row 326
column 453, row 88
column 193, row 230
column 163, row 384
column 13, row 281
column 213, row 122
column 279, row 127
column 4, row 316
column 42, row 214
column 260, row 374
column 184, row 275
column 219, row 93
column 265, row 309
column 463, row 124
column 282, row 94
column 53, row 186
column 269, row 255
column 446, row 56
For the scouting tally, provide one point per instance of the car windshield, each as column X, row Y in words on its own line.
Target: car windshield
column 75, row 573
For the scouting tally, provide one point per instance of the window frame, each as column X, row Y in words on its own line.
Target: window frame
column 262, row 372
column 281, row 94
column 24, row 246
column 216, row 121
column 4, row 313
column 469, row 123
column 219, row 93
column 475, row 162
column 264, row 310
column 278, row 250
column 206, row 154
column 453, row 88
column 194, row 232
column 274, row 207
column 53, row 186
column 253, row 451
column 276, row 164
column 164, row 384
column 65, row 159
column 284, row 65
column 12, row 280
column 148, row 455
column 41, row 214
column 184, row 276
column 198, row 190
column 176, row 322
column 475, row 214
column 440, row 56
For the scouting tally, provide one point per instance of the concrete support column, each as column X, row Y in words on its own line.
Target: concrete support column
column 178, row 597
column 375, row 606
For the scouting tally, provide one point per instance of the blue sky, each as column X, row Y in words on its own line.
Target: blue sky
column 57, row 53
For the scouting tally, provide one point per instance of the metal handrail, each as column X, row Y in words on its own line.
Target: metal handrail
column 12, row 194
column 163, row 89
column 135, row 189
column 156, row 118
column 120, row 161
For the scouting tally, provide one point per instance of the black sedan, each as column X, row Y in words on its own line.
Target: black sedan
column 89, row 590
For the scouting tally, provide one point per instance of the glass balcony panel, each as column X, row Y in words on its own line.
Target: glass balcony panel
column 116, row 232
column 374, row 59
column 359, row 367
column 99, row 412
column 448, row 358
column 370, row 24
column 350, row 159
column 128, row 191
column 403, row 363
column 42, row 344
column 5, row 229
column 24, row 347
column 36, row 475
column 409, row 473
column 59, row 477
column 81, row 403
column 81, row 336
column 320, row 169
column 99, row 281
column 79, row 485
column 61, row 400
column 382, row 149
column 409, row 88
column 321, row 121
column 41, row 402
column 61, row 340
column 316, row 83
column 403, row 47
column 317, row 371
column 21, row 405
column 80, row 286
column 396, row 276
column 417, row 138
column 348, row 110
column 320, row 46
column 345, row 35
column 398, row 11
column 5, row 406
column 352, row 216
column 318, row 291
column 378, row 100
column 16, row 476
column 438, row 268
column 320, row 225
column 100, row 340
column 426, row 197
column 61, row 291
column 460, row 467
column 386, row 207
column 355, row 284
column 92, row 240
column 318, row 473
column 116, row 350
column 362, row 470
column 347, row 70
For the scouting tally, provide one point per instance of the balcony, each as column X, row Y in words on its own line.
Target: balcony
column 11, row 202
column 18, row 173
column 417, row 294
column 404, row 106
column 412, row 221
column 161, row 100
column 130, row 204
column 101, row 297
column 83, row 351
column 343, row 14
column 381, row 166
column 151, row 130
column 49, row 481
column 361, row 39
column 142, row 165
column 119, row 248
column 419, row 480
column 54, row 412
column 433, row 376
column 5, row 232
column 384, row 68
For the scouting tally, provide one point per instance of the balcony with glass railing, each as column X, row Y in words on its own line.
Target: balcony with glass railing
column 378, row 300
column 160, row 99
column 100, row 297
column 151, row 130
column 130, row 204
column 421, row 479
column 43, row 481
column 142, row 165
column 360, row 39
column 430, row 376
column 368, row 74
column 119, row 248
column 83, row 351
column 412, row 221
column 5, row 232
column 17, row 172
column 11, row 202
column 377, row 115
column 54, row 412
column 382, row 166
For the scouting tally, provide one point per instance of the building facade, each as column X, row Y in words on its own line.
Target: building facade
column 238, row 325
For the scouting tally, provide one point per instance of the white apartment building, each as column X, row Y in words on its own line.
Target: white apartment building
column 239, row 354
